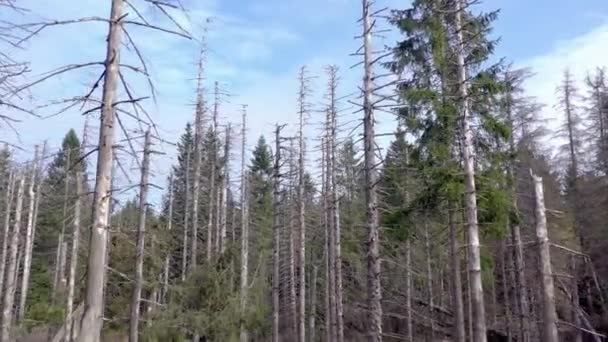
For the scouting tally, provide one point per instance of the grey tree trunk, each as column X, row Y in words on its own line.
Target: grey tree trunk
column 140, row 244
column 79, row 179
column 302, row 98
column 277, row 236
column 329, row 333
column 548, row 288
column 29, row 234
column 293, row 307
column 374, row 291
column 225, row 185
column 408, row 289
column 9, row 294
column 165, row 290
column 59, row 274
column 429, row 279
column 479, row 314
column 92, row 320
column 212, row 190
column 7, row 225
column 458, row 307
column 313, row 305
column 244, row 336
column 576, row 320
column 186, row 218
column 198, row 159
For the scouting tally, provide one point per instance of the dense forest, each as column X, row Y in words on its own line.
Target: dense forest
column 473, row 219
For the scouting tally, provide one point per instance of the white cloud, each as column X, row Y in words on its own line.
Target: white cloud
column 581, row 55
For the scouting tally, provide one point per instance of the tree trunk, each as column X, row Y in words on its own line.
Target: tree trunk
column 326, row 247
column 548, row 289
column 302, row 206
column 186, row 218
column 78, row 177
column 374, row 294
column 576, row 320
column 277, row 236
column 244, row 336
column 198, row 160
column 293, row 307
column 92, row 320
column 313, row 305
column 7, row 224
column 59, row 274
column 408, row 289
column 168, row 256
column 9, row 294
column 479, row 315
column 456, row 280
column 429, row 279
column 27, row 262
column 225, row 185
column 140, row 244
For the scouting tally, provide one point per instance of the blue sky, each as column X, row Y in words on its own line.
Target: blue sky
column 256, row 48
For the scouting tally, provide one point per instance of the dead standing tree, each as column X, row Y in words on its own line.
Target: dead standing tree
column 244, row 335
column 140, row 247
column 276, row 200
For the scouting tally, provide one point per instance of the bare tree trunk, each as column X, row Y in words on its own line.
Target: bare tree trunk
column 456, row 280
column 78, row 177
column 186, row 218
column 576, row 320
column 59, row 274
column 27, row 262
column 374, row 292
column 328, row 278
column 331, row 258
column 549, row 313
column 408, row 290
column 140, row 245
column 277, row 236
column 7, row 223
column 198, row 160
column 168, row 256
column 470, row 191
column 429, row 279
column 244, row 336
column 92, row 319
column 293, row 307
column 9, row 294
column 313, row 305
column 225, row 184
column 334, row 201
column 505, row 289
column 302, row 98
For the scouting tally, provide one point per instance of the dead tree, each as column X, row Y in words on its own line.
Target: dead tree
column 276, row 200
column 374, row 291
column 79, row 179
column 329, row 316
column 29, row 236
column 224, row 198
column 458, row 306
column 59, row 274
column 334, row 201
column 548, row 288
column 184, row 270
column 576, row 320
column 313, row 304
column 140, row 244
column 244, row 335
column 7, row 223
column 9, row 294
column 293, row 307
column 302, row 112
column 168, row 256
column 91, row 324
column 198, row 160
column 479, row 315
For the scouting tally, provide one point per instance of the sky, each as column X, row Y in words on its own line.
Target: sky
column 256, row 48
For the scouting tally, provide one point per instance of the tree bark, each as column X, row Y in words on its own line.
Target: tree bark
column 458, row 306
column 186, row 218
column 302, row 206
column 479, row 315
column 7, row 223
column 27, row 262
column 313, row 305
column 225, row 184
column 576, row 320
column 196, row 181
column 548, row 289
column 244, row 336
column 168, row 256
column 92, row 320
column 9, row 294
column 374, row 294
column 277, row 236
column 293, row 307
column 140, row 244
column 408, row 289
